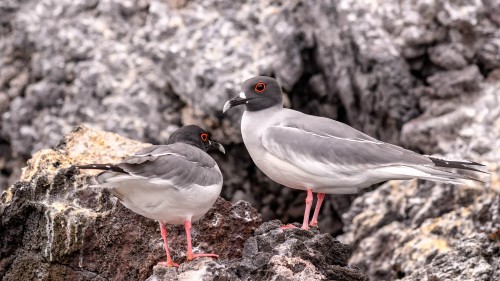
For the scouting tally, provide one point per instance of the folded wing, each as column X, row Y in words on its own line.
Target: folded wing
column 177, row 166
column 324, row 147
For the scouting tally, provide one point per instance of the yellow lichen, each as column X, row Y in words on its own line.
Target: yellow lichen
column 83, row 146
column 72, row 209
column 370, row 219
column 422, row 246
column 8, row 195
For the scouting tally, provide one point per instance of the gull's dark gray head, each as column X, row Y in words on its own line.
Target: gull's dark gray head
column 195, row 136
column 257, row 93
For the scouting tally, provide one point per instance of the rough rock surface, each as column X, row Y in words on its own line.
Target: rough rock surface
column 55, row 227
column 428, row 231
column 274, row 254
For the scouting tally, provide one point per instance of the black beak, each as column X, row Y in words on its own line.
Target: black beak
column 238, row 100
column 215, row 146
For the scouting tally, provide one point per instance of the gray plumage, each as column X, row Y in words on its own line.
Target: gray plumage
column 309, row 152
column 181, row 164
column 329, row 141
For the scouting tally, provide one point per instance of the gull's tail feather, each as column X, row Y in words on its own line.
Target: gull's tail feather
column 456, row 164
column 439, row 175
column 108, row 171
column 432, row 173
column 103, row 167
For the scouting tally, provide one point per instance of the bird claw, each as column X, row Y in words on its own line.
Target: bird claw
column 169, row 263
column 291, row 226
column 190, row 257
column 288, row 226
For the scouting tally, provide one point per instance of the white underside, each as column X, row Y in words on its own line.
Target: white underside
column 337, row 181
column 162, row 202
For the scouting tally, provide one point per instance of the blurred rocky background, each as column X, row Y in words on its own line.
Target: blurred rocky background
column 424, row 74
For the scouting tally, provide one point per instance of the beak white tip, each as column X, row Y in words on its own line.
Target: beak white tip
column 222, row 149
column 227, row 105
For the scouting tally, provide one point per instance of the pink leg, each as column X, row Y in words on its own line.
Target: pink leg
column 189, row 254
column 321, row 197
column 169, row 262
column 309, row 200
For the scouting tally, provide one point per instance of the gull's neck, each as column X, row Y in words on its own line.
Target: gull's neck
column 254, row 123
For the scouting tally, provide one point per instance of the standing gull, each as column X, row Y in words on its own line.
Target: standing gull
column 175, row 183
column 321, row 155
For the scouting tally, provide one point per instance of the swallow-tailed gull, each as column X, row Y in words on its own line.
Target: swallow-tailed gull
column 175, row 183
column 322, row 155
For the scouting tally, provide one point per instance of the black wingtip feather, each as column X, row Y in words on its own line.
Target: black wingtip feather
column 464, row 165
column 103, row 167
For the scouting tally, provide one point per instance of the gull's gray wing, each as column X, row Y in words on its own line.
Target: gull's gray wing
column 318, row 145
column 177, row 165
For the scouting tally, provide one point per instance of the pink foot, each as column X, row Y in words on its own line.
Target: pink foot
column 314, row 223
column 169, row 264
column 305, row 224
column 189, row 255
column 192, row 256
column 290, row 226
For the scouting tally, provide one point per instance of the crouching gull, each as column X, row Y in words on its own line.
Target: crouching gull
column 322, row 155
column 175, row 183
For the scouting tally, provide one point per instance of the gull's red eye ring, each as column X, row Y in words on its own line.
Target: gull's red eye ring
column 260, row 87
column 204, row 137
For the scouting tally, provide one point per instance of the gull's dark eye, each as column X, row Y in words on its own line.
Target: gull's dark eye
column 260, row 87
column 204, row 137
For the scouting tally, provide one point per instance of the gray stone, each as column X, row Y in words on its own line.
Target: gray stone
column 476, row 256
column 489, row 53
column 456, row 82
column 449, row 56
column 274, row 254
column 422, row 230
